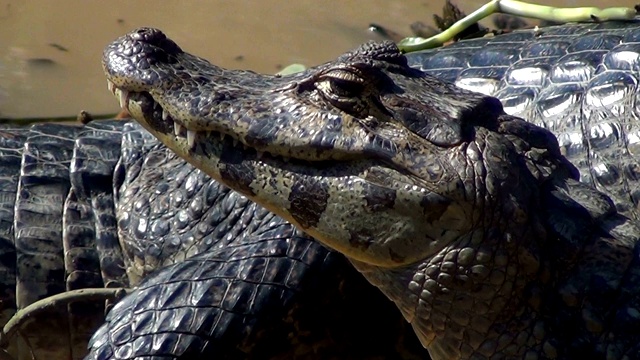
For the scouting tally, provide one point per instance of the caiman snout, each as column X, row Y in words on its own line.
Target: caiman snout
column 137, row 53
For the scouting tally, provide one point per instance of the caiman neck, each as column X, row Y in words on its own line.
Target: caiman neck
column 462, row 301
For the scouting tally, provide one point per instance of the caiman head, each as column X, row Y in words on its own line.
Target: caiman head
column 377, row 160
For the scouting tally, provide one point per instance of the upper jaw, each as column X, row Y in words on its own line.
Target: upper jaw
column 143, row 107
column 313, row 135
column 152, row 115
column 146, row 102
column 287, row 126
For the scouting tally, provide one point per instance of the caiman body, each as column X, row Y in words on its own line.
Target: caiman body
column 470, row 220
column 108, row 204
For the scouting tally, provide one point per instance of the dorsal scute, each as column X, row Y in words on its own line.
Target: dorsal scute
column 372, row 51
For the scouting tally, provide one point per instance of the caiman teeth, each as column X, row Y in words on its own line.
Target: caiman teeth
column 191, row 138
column 192, row 134
column 123, row 96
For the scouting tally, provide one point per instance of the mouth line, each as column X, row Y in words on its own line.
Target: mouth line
column 194, row 137
column 179, row 130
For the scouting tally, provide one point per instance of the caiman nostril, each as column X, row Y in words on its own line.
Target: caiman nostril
column 148, row 34
column 155, row 38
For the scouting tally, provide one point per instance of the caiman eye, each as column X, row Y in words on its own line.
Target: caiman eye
column 340, row 84
column 345, row 88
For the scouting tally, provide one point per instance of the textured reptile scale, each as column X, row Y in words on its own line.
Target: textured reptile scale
column 42, row 189
column 250, row 267
column 92, row 253
column 11, row 146
column 579, row 81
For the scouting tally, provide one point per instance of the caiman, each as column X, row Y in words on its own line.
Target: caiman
column 107, row 204
column 470, row 220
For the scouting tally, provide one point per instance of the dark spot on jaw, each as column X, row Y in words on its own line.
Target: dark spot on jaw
column 236, row 172
column 379, row 198
column 308, row 200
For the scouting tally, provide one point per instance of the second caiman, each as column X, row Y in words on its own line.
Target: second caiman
column 471, row 220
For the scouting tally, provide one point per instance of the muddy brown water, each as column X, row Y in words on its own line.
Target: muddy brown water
column 50, row 51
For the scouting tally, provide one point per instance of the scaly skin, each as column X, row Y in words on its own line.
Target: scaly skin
column 470, row 220
column 231, row 273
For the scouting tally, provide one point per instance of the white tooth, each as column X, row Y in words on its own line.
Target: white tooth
column 208, row 133
column 235, row 142
column 122, row 97
column 260, row 154
column 176, row 128
column 165, row 115
column 191, row 138
column 221, row 136
column 111, row 86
